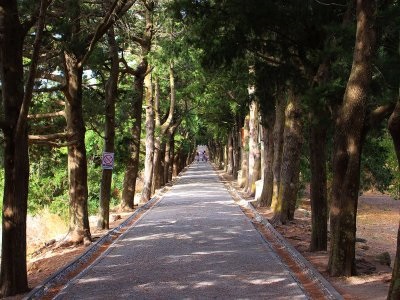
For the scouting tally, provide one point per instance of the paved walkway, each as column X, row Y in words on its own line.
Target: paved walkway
column 194, row 244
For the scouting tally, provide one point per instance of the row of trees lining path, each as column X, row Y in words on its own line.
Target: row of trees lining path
column 284, row 92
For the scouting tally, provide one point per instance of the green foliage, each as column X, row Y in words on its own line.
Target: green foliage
column 378, row 168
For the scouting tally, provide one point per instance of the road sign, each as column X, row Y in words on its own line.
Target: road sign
column 108, row 160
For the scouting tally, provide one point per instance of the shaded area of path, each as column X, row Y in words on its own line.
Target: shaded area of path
column 194, row 244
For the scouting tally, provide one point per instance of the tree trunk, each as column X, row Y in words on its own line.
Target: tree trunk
column 169, row 152
column 220, row 149
column 348, row 144
column 245, row 154
column 150, row 126
column 172, row 157
column 394, row 289
column 254, row 148
column 159, row 145
column 278, row 148
column 167, row 158
column 132, row 166
column 226, row 156
column 175, row 162
column 109, row 131
column 290, row 167
column 267, row 167
column 13, row 278
column 318, row 185
column 230, row 154
column 158, row 135
column 161, row 172
column 394, row 129
column 236, row 150
column 79, row 230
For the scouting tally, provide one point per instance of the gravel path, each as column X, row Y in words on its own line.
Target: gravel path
column 194, row 244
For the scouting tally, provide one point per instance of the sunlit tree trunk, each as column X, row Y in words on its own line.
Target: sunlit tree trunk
column 229, row 159
column 221, row 150
column 132, row 165
column 254, row 147
column 278, row 147
column 158, row 135
column 348, row 144
column 290, row 166
column 267, row 166
column 236, row 149
column 167, row 157
column 162, row 129
column 245, row 154
column 175, row 163
column 150, row 126
column 109, row 131
column 79, row 230
column 226, row 156
column 169, row 151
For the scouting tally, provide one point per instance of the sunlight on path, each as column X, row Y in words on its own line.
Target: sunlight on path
column 195, row 244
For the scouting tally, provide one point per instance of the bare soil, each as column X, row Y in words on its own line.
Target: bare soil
column 377, row 225
column 377, row 221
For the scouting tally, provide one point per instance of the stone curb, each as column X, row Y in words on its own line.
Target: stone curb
column 312, row 273
column 41, row 290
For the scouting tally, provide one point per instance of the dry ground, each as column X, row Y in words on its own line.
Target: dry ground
column 377, row 225
column 377, row 222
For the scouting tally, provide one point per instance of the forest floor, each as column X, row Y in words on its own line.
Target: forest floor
column 377, row 223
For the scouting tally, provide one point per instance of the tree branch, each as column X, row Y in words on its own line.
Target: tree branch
column 116, row 10
column 168, row 122
column 21, row 123
column 52, row 77
column 379, row 114
column 39, row 139
column 60, row 113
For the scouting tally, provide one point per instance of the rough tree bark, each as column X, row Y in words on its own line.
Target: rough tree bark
column 150, row 126
column 229, row 157
column 175, row 161
column 79, row 230
column 348, row 144
column 265, row 199
column 394, row 129
column 318, row 185
column 74, row 59
column 158, row 136
column 245, row 154
column 220, row 152
column 16, row 102
column 162, row 128
column 169, row 151
column 236, row 149
column 290, row 167
column 132, row 165
column 278, row 147
column 109, row 131
column 254, row 148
